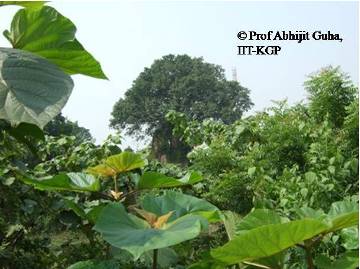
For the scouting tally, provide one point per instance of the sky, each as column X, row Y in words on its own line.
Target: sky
column 125, row 37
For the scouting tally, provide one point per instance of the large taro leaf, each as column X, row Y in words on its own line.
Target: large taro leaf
column 257, row 218
column 181, row 204
column 119, row 163
column 343, row 214
column 153, row 180
column 135, row 235
column 262, row 235
column 45, row 32
column 32, row 89
column 267, row 240
column 64, row 182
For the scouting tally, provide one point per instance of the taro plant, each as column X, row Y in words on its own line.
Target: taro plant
column 159, row 222
column 117, row 166
column 139, row 225
column 262, row 238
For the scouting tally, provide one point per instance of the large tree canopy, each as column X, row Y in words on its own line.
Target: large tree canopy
column 184, row 84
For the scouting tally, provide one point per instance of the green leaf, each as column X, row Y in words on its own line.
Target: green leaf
column 125, row 161
column 251, row 171
column 207, row 262
column 267, row 240
column 47, row 33
column 343, row 214
column 350, row 238
column 130, row 233
column 76, row 208
column 307, row 212
column 181, row 204
column 93, row 264
column 93, row 214
column 27, row 134
column 166, row 258
column 331, row 169
column 231, row 219
column 349, row 260
column 153, row 180
column 64, row 182
column 27, row 130
column 310, row 177
column 27, row 4
column 119, row 163
column 258, row 218
column 32, row 89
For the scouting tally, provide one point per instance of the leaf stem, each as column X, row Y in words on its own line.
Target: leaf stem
column 155, row 257
column 309, row 259
column 115, row 184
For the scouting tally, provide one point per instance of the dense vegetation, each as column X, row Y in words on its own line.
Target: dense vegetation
column 276, row 190
column 180, row 83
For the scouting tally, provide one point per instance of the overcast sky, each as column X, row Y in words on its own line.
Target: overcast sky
column 128, row 36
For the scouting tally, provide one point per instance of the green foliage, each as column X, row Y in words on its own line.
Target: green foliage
column 18, row 70
column 36, row 229
column 349, row 260
column 65, row 153
column 45, row 32
column 24, row 133
column 184, row 84
column 167, row 223
column 120, row 163
column 351, row 126
column 281, row 158
column 63, row 126
column 267, row 240
column 263, row 233
column 290, row 163
column 153, row 180
column 330, row 92
column 181, row 204
column 64, row 182
column 91, row 264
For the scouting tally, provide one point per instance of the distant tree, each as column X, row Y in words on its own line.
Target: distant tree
column 330, row 93
column 180, row 83
column 351, row 126
column 63, row 126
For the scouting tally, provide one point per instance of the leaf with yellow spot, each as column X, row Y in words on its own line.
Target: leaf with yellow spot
column 162, row 220
column 148, row 216
column 154, row 221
